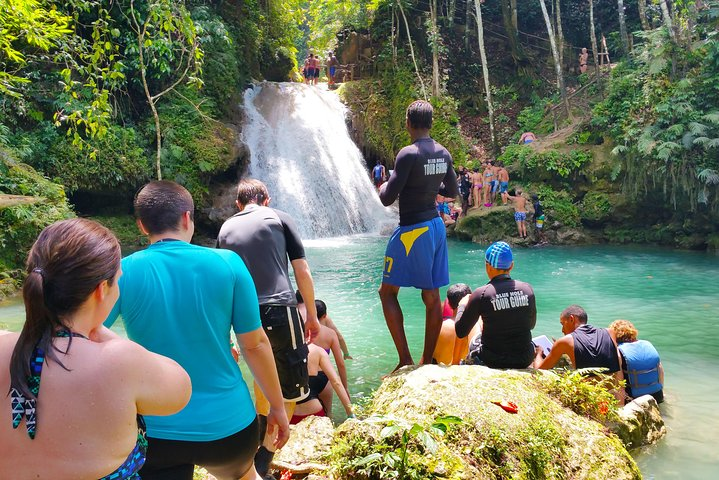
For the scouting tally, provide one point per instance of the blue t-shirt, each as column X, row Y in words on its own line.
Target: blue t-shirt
column 180, row 300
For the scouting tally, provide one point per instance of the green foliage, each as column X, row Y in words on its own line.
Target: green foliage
column 558, row 204
column 584, row 392
column 21, row 223
column 596, row 207
column 327, row 17
column 125, row 229
column 402, row 452
column 535, row 165
column 26, row 23
column 381, row 106
column 116, row 161
column 530, row 118
column 195, row 147
column 667, row 128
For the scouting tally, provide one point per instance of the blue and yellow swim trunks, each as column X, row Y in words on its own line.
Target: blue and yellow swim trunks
column 416, row 256
column 539, row 221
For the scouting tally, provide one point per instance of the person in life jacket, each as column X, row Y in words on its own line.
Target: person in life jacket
column 642, row 367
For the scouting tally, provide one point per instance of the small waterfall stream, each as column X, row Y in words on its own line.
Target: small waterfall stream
column 300, row 148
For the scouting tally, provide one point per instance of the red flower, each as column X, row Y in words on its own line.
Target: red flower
column 603, row 407
column 286, row 475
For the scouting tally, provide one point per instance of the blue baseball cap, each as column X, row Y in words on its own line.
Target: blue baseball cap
column 499, row 255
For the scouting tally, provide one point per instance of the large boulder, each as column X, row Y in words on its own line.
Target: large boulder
column 639, row 423
column 448, row 422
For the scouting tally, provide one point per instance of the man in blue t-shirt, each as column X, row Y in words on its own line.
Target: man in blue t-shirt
column 181, row 300
column 416, row 254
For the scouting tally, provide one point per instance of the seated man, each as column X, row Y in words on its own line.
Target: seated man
column 449, row 349
column 641, row 366
column 586, row 346
column 509, row 313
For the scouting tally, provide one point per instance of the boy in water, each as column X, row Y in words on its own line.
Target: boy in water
column 520, row 212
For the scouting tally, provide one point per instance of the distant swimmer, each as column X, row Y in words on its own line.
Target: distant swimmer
column 527, row 137
column 416, row 255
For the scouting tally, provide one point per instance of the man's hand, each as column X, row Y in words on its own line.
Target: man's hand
column 312, row 329
column 277, row 420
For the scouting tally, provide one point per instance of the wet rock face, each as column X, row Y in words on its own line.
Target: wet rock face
column 456, row 423
column 641, row 423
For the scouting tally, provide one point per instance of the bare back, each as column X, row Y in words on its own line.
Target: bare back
column 86, row 420
column 520, row 203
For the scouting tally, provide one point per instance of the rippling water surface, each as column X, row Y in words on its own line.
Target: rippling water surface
column 671, row 297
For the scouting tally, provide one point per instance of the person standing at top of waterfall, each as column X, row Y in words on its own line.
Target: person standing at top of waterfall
column 378, row 174
column 266, row 238
column 314, row 69
column 416, row 254
column 583, row 57
column 331, row 67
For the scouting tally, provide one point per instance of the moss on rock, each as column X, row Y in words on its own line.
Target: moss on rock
column 407, row 434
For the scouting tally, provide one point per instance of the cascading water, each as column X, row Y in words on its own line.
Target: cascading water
column 300, row 148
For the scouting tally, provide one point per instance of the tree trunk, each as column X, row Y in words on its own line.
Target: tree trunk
column 593, row 34
column 394, row 39
column 435, row 48
column 485, row 71
column 512, row 34
column 666, row 16
column 451, row 12
column 411, row 50
column 467, row 25
column 560, row 32
column 623, row 27
column 642, row 4
column 555, row 54
column 513, row 5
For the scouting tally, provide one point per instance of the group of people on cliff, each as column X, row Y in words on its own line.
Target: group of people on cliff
column 312, row 67
column 172, row 396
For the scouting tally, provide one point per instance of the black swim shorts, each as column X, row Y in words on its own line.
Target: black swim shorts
column 285, row 329
column 229, row 457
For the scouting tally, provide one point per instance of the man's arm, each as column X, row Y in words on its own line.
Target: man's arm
column 306, row 286
column 340, row 338
column 390, row 190
column 451, row 189
column 257, row 352
column 468, row 314
column 562, row 346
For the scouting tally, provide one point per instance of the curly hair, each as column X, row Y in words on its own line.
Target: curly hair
column 624, row 330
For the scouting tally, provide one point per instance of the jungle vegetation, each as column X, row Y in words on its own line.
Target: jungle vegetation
column 99, row 96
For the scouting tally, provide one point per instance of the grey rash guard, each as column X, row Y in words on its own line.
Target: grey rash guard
column 265, row 238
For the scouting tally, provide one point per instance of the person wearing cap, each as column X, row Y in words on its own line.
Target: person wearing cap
column 586, row 346
column 508, row 314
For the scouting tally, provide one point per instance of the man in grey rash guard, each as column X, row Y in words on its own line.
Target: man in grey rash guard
column 416, row 254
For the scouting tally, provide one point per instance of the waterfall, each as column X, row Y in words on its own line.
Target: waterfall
column 300, row 148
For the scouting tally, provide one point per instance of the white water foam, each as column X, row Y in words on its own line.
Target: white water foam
column 300, row 148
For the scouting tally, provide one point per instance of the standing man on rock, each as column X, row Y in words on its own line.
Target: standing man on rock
column 266, row 238
column 416, row 255
column 508, row 314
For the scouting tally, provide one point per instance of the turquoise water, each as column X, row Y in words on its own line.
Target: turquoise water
column 671, row 297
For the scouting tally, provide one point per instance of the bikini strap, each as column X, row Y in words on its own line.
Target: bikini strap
column 27, row 407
